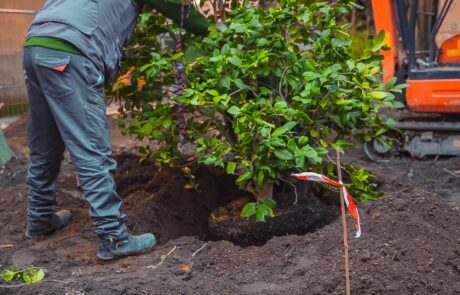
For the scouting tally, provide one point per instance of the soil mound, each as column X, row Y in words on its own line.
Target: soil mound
column 410, row 245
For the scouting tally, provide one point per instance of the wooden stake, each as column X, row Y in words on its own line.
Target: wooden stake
column 344, row 225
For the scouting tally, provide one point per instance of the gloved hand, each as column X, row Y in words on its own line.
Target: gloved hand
column 195, row 22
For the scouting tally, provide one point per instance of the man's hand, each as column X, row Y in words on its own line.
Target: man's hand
column 195, row 22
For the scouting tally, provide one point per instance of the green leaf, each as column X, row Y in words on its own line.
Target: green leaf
column 260, row 177
column 167, row 123
column 212, row 161
column 390, row 83
column 235, row 60
column 280, row 105
column 276, row 142
column 234, row 110
column 397, row 105
column 303, row 140
column 249, row 210
column 283, row 129
column 310, row 153
column 300, row 162
column 283, row 154
column 262, row 42
column 380, row 131
column 310, row 65
column 264, row 91
column 240, row 84
column 390, row 122
column 177, row 56
column 342, row 145
column 378, row 41
column 270, row 202
column 309, row 76
column 156, row 134
column 398, row 88
column 262, row 211
column 213, row 92
column 316, row 90
column 146, row 129
column 225, row 49
column 26, row 278
column 7, row 275
column 38, row 276
column 350, row 65
column 145, row 67
column 341, row 9
column 356, row 5
column 243, row 178
column 320, row 151
column 262, row 122
column 225, row 82
column 231, row 166
column 377, row 94
column 237, row 27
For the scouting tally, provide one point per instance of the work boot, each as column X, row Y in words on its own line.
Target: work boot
column 110, row 248
column 59, row 220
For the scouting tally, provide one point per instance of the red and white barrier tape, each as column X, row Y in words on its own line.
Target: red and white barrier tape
column 351, row 205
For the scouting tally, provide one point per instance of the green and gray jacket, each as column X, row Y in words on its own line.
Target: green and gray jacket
column 99, row 29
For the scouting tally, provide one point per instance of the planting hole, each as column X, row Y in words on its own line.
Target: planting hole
column 163, row 202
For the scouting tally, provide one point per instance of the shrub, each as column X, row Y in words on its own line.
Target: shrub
column 269, row 94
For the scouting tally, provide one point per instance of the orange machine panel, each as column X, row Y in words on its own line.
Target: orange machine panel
column 430, row 96
column 385, row 20
column 450, row 50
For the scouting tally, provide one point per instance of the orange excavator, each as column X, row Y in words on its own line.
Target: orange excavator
column 424, row 37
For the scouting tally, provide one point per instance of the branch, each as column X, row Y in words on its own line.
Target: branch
column 25, row 284
column 295, row 190
column 222, row 11
column 15, row 286
column 280, row 85
column 162, row 259
column 199, row 250
column 236, row 91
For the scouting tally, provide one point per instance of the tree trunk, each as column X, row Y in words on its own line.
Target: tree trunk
column 266, row 191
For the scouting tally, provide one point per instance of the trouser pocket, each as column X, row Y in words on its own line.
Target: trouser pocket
column 52, row 69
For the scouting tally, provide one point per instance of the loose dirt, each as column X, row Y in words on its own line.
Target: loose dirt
column 410, row 242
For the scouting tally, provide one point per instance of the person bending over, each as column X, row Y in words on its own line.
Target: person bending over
column 72, row 49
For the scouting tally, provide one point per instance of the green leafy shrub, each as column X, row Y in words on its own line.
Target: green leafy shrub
column 269, row 94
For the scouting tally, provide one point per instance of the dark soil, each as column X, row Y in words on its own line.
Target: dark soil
column 410, row 242
column 307, row 216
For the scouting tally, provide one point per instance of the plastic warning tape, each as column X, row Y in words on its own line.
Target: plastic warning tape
column 351, row 205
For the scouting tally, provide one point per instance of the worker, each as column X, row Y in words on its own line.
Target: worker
column 72, row 49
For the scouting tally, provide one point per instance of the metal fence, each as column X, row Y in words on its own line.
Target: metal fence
column 14, row 22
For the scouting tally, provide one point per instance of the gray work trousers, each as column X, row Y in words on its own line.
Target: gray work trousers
column 67, row 109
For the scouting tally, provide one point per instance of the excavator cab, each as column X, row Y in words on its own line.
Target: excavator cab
column 424, row 41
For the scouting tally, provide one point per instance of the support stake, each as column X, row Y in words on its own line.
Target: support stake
column 344, row 225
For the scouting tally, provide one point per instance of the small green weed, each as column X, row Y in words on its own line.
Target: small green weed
column 29, row 275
